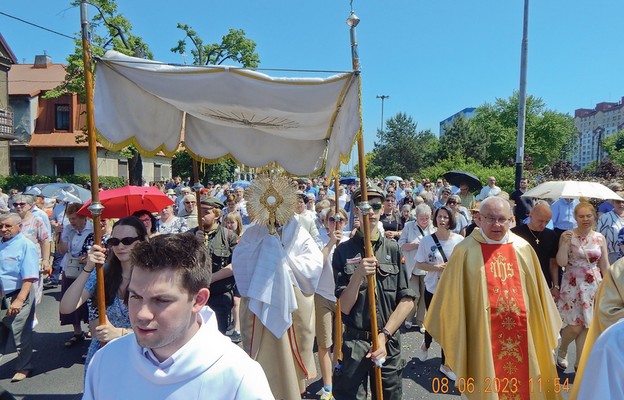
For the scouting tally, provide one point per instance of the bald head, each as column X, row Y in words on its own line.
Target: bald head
column 540, row 215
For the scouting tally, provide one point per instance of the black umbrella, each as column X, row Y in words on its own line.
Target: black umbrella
column 458, row 177
column 348, row 180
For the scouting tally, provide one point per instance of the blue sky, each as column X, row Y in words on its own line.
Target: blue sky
column 433, row 58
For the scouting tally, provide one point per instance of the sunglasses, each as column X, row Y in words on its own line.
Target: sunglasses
column 451, row 203
column 127, row 241
column 19, row 204
column 336, row 219
column 376, row 206
column 190, row 202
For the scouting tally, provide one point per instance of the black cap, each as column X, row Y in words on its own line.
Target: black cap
column 371, row 191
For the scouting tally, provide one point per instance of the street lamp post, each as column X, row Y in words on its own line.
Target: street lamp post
column 522, row 96
column 382, row 97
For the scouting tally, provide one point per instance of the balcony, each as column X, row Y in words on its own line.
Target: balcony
column 6, row 122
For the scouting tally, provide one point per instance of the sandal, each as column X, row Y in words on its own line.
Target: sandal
column 76, row 338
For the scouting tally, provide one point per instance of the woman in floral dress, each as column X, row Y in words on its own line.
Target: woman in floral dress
column 583, row 252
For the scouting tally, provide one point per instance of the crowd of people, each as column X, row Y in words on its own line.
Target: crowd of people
column 496, row 279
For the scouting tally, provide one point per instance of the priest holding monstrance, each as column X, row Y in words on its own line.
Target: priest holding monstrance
column 277, row 267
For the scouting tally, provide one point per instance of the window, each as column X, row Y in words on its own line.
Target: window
column 122, row 169
column 157, row 173
column 22, row 166
column 63, row 166
column 61, row 117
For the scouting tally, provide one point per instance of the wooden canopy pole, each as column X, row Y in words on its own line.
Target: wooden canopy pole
column 365, row 208
column 338, row 315
column 95, row 207
column 196, row 188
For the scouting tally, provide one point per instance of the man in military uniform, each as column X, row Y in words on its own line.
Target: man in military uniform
column 220, row 243
column 394, row 302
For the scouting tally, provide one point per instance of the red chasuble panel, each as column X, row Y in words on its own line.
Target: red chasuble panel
column 510, row 350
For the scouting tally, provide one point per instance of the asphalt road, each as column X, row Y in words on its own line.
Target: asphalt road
column 58, row 373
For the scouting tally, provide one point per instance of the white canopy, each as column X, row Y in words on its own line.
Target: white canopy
column 300, row 123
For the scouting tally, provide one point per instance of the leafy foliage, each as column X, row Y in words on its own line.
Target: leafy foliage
column 223, row 171
column 401, row 149
column 614, row 147
column 234, row 46
column 20, row 182
column 548, row 134
column 109, row 31
column 461, row 139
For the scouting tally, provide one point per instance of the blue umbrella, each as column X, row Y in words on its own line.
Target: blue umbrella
column 242, row 184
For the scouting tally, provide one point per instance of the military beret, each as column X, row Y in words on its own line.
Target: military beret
column 211, row 201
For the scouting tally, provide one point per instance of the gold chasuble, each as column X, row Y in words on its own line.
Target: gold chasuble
column 608, row 309
column 495, row 318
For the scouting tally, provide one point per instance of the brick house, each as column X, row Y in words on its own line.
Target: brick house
column 47, row 129
column 7, row 59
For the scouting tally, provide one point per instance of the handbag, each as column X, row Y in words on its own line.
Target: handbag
column 73, row 268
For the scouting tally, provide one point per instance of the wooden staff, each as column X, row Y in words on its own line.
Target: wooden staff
column 197, row 194
column 353, row 21
column 338, row 315
column 95, row 207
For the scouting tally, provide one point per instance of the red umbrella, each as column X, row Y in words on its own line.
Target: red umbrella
column 124, row 201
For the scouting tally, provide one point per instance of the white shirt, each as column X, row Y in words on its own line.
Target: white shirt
column 488, row 191
column 411, row 234
column 208, row 366
column 428, row 253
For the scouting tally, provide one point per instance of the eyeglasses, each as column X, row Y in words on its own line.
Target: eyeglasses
column 148, row 219
column 127, row 241
column 6, row 226
column 492, row 220
column 376, row 206
column 336, row 219
column 19, row 204
column 190, row 202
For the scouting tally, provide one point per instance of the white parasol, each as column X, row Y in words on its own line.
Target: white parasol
column 572, row 190
column 303, row 124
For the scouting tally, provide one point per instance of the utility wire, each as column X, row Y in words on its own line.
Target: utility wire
column 37, row 26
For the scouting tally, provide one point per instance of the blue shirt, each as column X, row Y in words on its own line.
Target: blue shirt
column 19, row 260
column 563, row 214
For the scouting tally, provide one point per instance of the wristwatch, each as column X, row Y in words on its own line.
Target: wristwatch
column 387, row 333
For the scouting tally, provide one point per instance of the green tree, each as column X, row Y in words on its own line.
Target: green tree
column 372, row 169
column 461, row 140
column 548, row 134
column 234, row 46
column 182, row 165
column 614, row 147
column 109, row 30
column 401, row 150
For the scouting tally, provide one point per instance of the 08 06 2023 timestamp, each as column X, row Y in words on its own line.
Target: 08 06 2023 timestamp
column 499, row 385
column 471, row 385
